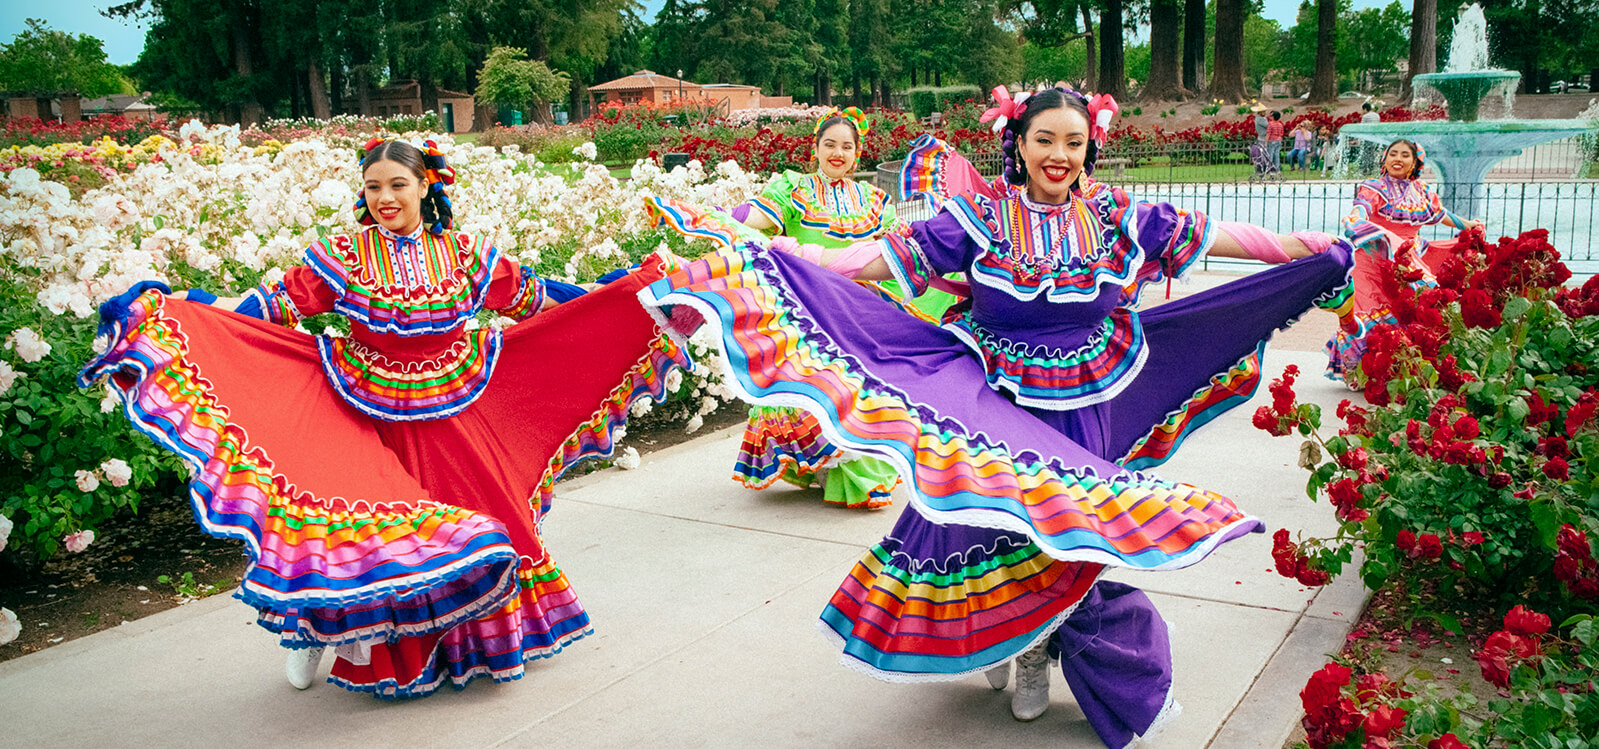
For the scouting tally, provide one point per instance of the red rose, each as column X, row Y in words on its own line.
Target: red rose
column 1429, row 546
column 1266, row 421
column 1354, row 459
column 1447, row 741
column 1406, row 541
column 1477, row 310
column 1311, row 577
column 1495, row 664
column 1539, row 410
column 1472, row 538
column 1573, row 542
column 1466, row 428
column 1554, row 447
column 1499, row 480
column 1524, row 621
column 1557, row 469
column 1581, row 413
column 1383, row 721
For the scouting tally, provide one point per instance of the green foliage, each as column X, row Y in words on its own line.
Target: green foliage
column 508, row 78
column 52, row 430
column 926, row 100
column 189, row 588
column 41, row 59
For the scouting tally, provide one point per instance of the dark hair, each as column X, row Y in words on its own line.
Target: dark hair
column 436, row 212
column 1276, row 115
column 1016, row 129
column 1366, row 106
column 1415, row 155
column 827, row 124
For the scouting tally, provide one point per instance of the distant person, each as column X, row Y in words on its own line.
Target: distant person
column 1385, row 225
column 1304, row 138
column 1261, row 122
column 1324, row 145
column 1369, row 113
column 1274, row 140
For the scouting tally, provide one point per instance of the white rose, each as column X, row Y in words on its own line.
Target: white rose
column 7, row 377
column 628, row 460
column 117, row 471
column 332, row 194
column 87, row 481
column 110, row 401
column 77, row 542
column 9, row 626
column 694, row 424
column 5, row 531
column 587, row 151
column 29, row 345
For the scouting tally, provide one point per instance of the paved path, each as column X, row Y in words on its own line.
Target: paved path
column 704, row 597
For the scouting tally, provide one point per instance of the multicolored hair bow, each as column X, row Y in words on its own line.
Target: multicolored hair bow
column 1101, row 109
column 853, row 114
column 1008, row 109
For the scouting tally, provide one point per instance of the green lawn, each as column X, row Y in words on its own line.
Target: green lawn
column 467, row 138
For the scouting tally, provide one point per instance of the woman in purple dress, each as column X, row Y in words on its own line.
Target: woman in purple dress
column 1022, row 423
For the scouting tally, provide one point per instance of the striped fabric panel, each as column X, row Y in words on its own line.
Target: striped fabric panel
column 529, row 297
column 360, row 269
column 1223, row 392
column 391, row 390
column 847, row 211
column 1059, row 378
column 904, row 619
column 1127, row 519
column 366, row 565
column 1022, row 258
column 778, row 440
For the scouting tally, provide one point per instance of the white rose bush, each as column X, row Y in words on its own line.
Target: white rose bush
column 212, row 208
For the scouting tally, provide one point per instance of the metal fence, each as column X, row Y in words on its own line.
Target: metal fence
column 1528, row 199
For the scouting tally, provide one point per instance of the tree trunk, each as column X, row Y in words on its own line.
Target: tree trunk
column 1194, row 45
column 363, row 93
column 855, row 89
column 250, row 111
column 1165, row 36
column 1091, row 68
column 1227, row 78
column 321, row 108
column 1423, row 45
column 1112, row 59
column 336, row 88
column 1324, row 84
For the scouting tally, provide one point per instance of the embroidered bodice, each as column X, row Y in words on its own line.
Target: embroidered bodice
column 831, row 213
column 410, row 354
column 1397, row 206
column 1051, row 312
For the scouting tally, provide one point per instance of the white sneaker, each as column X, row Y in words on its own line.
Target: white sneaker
column 1032, row 684
column 998, row 676
column 302, row 665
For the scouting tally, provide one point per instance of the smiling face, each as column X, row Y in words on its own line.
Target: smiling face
column 394, row 196
column 1400, row 161
column 836, row 151
column 1054, row 149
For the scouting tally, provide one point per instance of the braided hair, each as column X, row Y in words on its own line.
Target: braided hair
column 1016, row 130
column 429, row 167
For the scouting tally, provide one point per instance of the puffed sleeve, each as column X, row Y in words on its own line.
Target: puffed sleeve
column 920, row 250
column 1357, row 226
column 301, row 294
column 776, row 201
column 1172, row 240
column 514, row 291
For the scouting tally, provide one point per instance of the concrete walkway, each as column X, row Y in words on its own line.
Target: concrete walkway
column 704, row 597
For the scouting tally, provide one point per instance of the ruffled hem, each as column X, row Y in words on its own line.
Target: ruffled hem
column 596, row 438
column 1055, row 379
column 442, row 563
column 391, row 390
column 538, row 623
column 947, row 618
column 781, row 443
column 958, row 476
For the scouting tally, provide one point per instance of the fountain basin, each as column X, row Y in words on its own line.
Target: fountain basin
column 1463, row 152
column 1464, row 92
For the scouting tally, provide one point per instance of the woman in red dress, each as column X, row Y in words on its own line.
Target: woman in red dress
column 389, row 485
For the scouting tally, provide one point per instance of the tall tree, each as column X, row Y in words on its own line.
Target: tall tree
column 1227, row 77
column 1091, row 78
column 1324, row 83
column 1372, row 42
column 1423, row 44
column 1112, row 53
column 1165, row 38
column 1194, row 45
column 42, row 59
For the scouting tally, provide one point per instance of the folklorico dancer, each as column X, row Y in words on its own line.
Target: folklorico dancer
column 1021, row 425
column 826, row 209
column 1385, row 224
column 388, row 485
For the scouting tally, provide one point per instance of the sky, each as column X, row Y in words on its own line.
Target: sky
column 123, row 42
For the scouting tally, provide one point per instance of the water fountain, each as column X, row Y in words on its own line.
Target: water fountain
column 1466, row 146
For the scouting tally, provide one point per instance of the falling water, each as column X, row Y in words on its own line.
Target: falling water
column 1468, row 46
